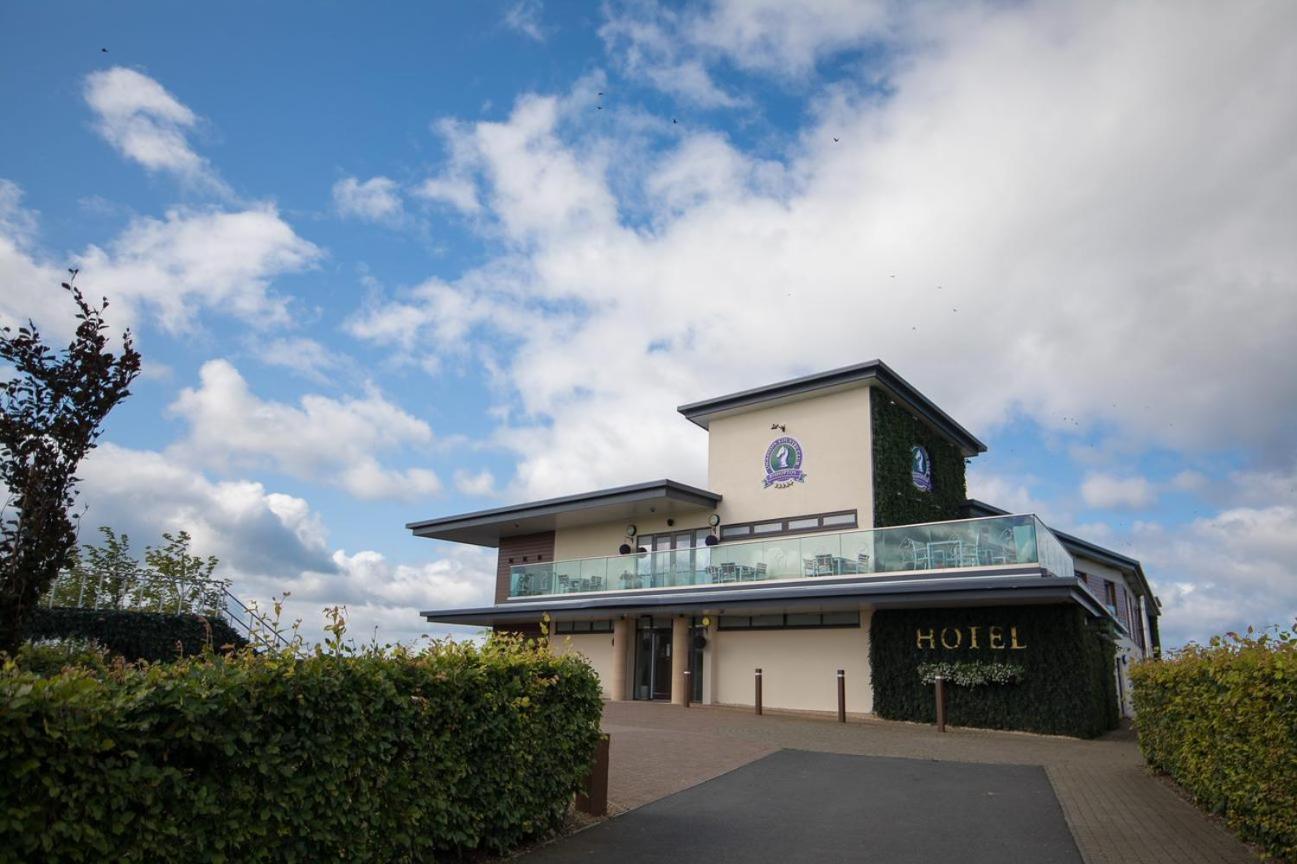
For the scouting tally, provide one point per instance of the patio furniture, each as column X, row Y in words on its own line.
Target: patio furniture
column 729, row 572
column 760, row 572
column 944, row 553
column 713, row 574
column 919, row 556
column 970, row 555
column 862, row 562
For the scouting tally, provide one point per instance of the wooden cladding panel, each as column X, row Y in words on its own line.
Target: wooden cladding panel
column 523, row 549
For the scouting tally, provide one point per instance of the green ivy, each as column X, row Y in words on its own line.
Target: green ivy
column 377, row 757
column 1065, row 687
column 1222, row 720
column 897, row 501
column 976, row 673
column 135, row 635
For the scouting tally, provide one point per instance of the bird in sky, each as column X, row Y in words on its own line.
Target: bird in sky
column 835, row 140
column 104, row 50
column 674, row 120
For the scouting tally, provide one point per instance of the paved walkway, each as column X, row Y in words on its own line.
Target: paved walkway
column 1115, row 810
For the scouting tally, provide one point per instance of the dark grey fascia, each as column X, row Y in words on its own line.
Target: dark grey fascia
column 1029, row 588
column 877, row 371
column 635, row 493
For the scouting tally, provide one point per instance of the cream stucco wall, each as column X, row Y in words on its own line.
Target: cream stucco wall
column 834, row 431
column 799, row 667
column 595, row 647
column 591, row 541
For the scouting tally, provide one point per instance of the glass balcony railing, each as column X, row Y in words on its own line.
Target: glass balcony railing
column 963, row 544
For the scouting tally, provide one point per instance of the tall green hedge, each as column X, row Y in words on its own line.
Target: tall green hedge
column 897, row 501
column 370, row 758
column 1067, row 685
column 1222, row 720
column 135, row 635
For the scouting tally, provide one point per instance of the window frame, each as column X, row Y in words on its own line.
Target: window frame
column 749, row 529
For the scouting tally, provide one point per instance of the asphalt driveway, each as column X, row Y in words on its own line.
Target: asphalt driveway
column 796, row 805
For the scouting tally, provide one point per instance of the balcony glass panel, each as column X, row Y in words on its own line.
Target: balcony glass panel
column 963, row 544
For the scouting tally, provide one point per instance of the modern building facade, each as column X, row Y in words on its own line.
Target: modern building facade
column 833, row 501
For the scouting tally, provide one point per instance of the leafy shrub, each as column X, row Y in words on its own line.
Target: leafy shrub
column 135, row 635
column 51, row 656
column 976, row 673
column 1067, row 684
column 1221, row 719
column 380, row 756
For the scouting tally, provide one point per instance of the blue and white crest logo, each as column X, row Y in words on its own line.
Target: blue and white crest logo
column 784, row 463
column 921, row 469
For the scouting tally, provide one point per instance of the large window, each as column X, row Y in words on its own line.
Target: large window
column 838, row 520
column 582, row 626
column 788, row 621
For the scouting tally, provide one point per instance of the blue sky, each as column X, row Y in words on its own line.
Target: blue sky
column 386, row 265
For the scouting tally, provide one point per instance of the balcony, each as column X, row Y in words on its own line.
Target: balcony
column 996, row 542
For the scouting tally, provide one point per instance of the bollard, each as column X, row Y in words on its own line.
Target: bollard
column 940, row 682
column 758, row 691
column 842, row 696
column 593, row 797
column 689, row 690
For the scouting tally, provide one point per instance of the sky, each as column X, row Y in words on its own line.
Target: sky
column 388, row 263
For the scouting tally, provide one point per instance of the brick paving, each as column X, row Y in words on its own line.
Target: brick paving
column 1117, row 812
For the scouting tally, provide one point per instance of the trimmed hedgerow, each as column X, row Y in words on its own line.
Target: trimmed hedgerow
column 1221, row 719
column 897, row 501
column 1064, row 673
column 376, row 757
column 133, row 634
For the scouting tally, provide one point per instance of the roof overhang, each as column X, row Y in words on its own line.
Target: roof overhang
column 486, row 527
column 874, row 372
column 1003, row 588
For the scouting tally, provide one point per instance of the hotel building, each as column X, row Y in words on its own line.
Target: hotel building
column 834, row 520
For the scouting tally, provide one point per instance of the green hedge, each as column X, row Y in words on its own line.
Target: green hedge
column 897, row 501
column 132, row 634
column 368, row 758
column 1066, row 668
column 1222, row 721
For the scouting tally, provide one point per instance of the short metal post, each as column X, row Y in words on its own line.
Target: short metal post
column 758, row 691
column 689, row 690
column 842, row 696
column 940, row 682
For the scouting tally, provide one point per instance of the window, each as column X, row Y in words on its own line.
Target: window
column 582, row 626
column 791, row 525
column 790, row 621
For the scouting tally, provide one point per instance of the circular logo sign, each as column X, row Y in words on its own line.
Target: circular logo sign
column 784, row 463
column 921, row 469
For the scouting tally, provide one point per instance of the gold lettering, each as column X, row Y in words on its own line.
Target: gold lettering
column 973, row 642
column 920, row 637
column 997, row 637
column 959, row 637
column 1013, row 640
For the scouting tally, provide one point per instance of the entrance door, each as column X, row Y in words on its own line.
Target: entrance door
column 653, row 660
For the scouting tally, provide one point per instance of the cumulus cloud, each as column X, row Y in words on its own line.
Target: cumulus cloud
column 146, row 123
column 1107, row 490
column 459, row 192
column 334, row 440
column 271, row 544
column 479, row 483
column 377, row 199
column 306, row 357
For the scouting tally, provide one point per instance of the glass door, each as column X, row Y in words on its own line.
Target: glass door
column 653, row 659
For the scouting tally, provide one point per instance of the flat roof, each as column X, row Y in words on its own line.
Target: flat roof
column 486, row 527
column 873, row 371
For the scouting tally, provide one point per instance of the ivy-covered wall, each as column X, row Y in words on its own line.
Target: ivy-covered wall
column 1066, row 685
column 897, row 501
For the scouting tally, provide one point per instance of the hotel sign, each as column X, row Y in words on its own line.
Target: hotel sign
column 783, row 463
column 969, row 638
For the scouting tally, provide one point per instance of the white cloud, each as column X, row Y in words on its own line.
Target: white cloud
column 1107, row 490
column 270, row 544
column 524, row 17
column 333, row 440
column 306, row 357
column 145, row 123
column 375, row 200
column 480, row 483
column 459, row 192
column 195, row 259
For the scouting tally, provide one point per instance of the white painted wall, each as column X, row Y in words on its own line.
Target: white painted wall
column 599, row 540
column 799, row 667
